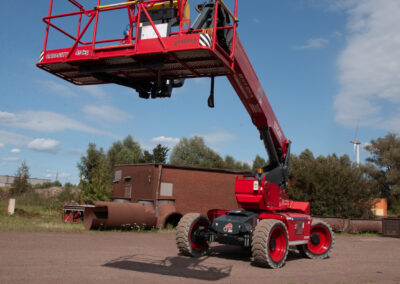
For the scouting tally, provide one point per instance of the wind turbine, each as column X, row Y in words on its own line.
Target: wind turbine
column 356, row 144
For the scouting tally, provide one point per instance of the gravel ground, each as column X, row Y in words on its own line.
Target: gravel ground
column 109, row 257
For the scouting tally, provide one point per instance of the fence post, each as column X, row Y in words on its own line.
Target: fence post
column 11, row 206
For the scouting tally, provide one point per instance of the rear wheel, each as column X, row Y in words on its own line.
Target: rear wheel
column 321, row 241
column 192, row 234
column 270, row 243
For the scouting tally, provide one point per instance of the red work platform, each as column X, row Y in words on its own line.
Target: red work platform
column 181, row 54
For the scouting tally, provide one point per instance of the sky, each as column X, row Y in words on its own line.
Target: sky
column 328, row 67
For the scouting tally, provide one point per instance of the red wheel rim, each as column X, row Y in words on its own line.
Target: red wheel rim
column 277, row 244
column 320, row 240
column 198, row 245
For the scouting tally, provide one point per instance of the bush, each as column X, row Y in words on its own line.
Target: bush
column 333, row 185
column 4, row 193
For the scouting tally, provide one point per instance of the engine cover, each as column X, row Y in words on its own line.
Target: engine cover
column 235, row 223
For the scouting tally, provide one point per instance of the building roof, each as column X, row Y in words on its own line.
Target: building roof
column 188, row 168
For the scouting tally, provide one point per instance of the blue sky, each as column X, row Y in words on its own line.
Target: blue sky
column 326, row 66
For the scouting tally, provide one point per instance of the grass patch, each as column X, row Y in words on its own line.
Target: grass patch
column 34, row 218
column 35, row 213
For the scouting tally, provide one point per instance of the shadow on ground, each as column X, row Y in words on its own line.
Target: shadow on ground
column 243, row 254
column 179, row 266
column 188, row 267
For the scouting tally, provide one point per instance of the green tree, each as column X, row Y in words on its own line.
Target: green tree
column 147, row 157
column 384, row 167
column 126, row 152
column 160, row 154
column 333, row 185
column 96, row 182
column 258, row 163
column 98, row 188
column 21, row 184
column 242, row 166
column 229, row 163
column 194, row 152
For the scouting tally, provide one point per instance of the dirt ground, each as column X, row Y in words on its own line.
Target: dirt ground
column 109, row 257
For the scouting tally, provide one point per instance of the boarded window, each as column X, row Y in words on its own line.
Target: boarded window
column 128, row 190
column 117, row 176
column 166, row 189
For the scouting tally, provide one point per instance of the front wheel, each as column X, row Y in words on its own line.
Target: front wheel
column 192, row 234
column 321, row 241
column 270, row 243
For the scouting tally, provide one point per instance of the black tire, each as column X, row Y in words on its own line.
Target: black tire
column 270, row 244
column 191, row 234
column 322, row 240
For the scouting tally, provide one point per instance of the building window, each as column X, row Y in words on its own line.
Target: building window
column 166, row 189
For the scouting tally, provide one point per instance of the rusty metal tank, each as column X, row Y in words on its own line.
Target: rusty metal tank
column 354, row 225
column 111, row 215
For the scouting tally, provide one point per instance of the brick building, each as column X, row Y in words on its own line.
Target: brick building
column 188, row 188
column 162, row 194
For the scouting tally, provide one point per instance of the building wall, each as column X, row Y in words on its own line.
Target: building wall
column 380, row 207
column 135, row 182
column 7, row 181
column 189, row 189
column 200, row 191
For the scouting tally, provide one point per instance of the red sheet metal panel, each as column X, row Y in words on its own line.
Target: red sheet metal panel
column 391, row 227
column 252, row 95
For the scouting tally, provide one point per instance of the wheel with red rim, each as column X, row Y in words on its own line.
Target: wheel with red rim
column 270, row 243
column 321, row 241
column 192, row 234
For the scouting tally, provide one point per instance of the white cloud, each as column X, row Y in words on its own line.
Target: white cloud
column 44, row 145
column 331, row 5
column 163, row 139
column 370, row 67
column 53, row 174
column 45, row 121
column 209, row 138
column 50, row 174
column 38, row 144
column 6, row 115
column 64, row 175
column 314, row 43
column 62, row 89
column 336, row 34
column 12, row 138
column 95, row 91
column 363, row 147
column 170, row 142
column 217, row 137
column 9, row 159
column 57, row 88
column 1, row 145
column 107, row 113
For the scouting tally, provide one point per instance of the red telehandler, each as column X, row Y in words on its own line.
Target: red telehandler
column 160, row 48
